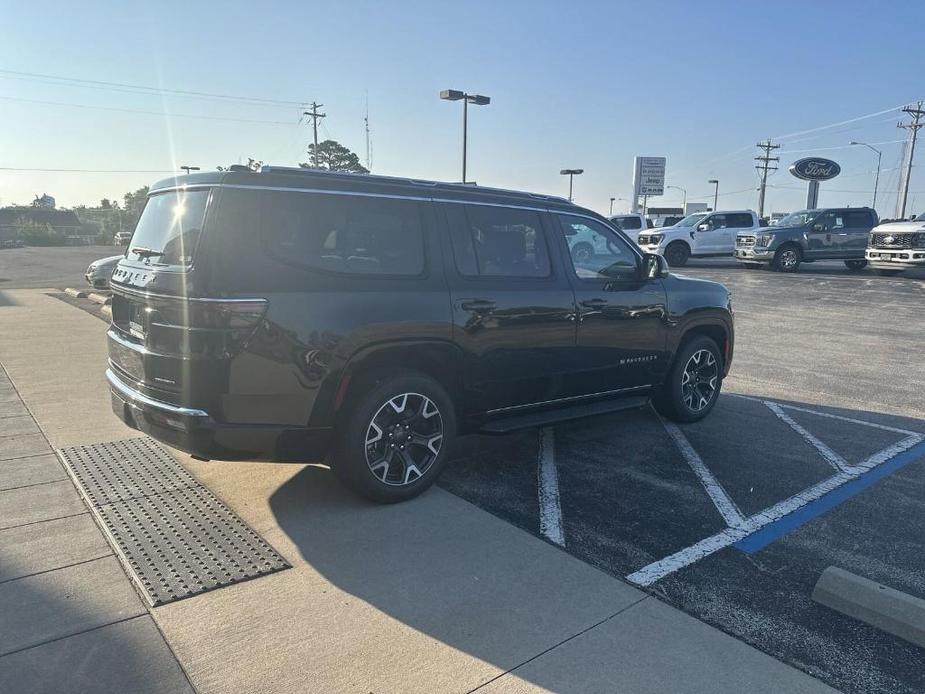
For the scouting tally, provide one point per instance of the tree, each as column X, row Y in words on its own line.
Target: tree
column 333, row 156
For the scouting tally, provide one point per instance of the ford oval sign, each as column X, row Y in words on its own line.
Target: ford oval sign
column 815, row 169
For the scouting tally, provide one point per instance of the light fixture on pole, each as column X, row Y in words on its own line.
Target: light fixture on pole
column 879, row 158
column 715, row 183
column 477, row 100
column 684, row 202
column 571, row 173
column 187, row 169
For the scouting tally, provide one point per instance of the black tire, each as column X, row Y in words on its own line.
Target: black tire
column 582, row 252
column 855, row 265
column 377, row 405
column 787, row 258
column 677, row 254
column 888, row 273
column 675, row 398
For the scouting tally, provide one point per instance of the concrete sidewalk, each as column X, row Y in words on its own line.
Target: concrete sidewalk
column 433, row 595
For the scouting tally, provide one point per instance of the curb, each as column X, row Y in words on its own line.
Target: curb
column 76, row 293
column 99, row 298
column 885, row 608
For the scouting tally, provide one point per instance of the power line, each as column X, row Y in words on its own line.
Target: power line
column 121, row 86
column 131, row 171
column 764, row 165
column 147, row 113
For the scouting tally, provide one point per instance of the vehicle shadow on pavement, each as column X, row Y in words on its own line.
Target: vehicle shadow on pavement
column 449, row 574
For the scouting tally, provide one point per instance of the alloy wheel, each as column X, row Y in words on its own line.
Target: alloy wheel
column 788, row 258
column 403, row 439
column 698, row 382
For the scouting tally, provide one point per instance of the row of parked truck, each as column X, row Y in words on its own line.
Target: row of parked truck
column 851, row 234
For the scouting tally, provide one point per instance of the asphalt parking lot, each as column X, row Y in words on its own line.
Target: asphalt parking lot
column 22, row 268
column 813, row 457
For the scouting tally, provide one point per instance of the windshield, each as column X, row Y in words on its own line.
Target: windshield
column 169, row 227
column 798, row 219
column 920, row 218
column 691, row 219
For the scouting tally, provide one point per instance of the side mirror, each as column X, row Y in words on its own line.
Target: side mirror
column 654, row 266
column 703, row 227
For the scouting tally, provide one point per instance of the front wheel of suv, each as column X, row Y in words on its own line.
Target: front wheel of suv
column 677, row 254
column 855, row 265
column 787, row 259
column 693, row 383
column 394, row 438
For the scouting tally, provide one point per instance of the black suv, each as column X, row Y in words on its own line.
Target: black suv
column 290, row 314
column 834, row 233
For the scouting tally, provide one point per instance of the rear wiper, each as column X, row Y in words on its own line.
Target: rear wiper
column 143, row 252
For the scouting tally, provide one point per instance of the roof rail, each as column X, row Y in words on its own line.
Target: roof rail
column 307, row 171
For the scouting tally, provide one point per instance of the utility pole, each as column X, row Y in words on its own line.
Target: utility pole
column 915, row 113
column 369, row 163
column 764, row 165
column 315, row 116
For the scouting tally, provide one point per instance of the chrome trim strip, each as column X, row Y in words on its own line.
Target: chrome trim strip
column 133, row 396
column 141, row 349
column 571, row 398
column 199, row 299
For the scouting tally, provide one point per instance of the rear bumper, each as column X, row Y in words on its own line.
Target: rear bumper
column 196, row 432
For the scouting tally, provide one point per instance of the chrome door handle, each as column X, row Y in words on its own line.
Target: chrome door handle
column 477, row 305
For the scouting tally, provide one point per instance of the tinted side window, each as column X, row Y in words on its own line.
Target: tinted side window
column 855, row 219
column 347, row 234
column 739, row 220
column 831, row 221
column 596, row 252
column 499, row 242
column 628, row 222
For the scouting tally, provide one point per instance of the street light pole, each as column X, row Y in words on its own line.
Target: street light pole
column 715, row 183
column 571, row 173
column 683, row 190
column 879, row 159
column 187, row 169
column 611, row 206
column 478, row 100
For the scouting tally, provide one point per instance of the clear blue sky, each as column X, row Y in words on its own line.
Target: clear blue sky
column 582, row 84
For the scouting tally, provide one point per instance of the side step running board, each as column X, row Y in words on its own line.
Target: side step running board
column 503, row 425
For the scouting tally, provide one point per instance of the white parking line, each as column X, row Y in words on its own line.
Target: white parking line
column 548, row 485
column 721, row 499
column 831, row 456
column 746, row 526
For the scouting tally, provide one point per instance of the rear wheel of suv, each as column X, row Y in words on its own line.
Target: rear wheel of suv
column 677, row 253
column 694, row 382
column 855, row 265
column 394, row 438
column 787, row 259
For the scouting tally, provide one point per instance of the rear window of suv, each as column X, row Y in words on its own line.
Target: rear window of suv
column 169, row 227
column 345, row 234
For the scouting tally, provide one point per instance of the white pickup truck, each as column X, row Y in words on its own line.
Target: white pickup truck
column 699, row 235
column 631, row 222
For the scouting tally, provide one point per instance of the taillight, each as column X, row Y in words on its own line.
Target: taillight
column 224, row 314
column 211, row 327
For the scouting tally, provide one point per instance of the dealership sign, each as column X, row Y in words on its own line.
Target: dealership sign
column 815, row 169
column 649, row 175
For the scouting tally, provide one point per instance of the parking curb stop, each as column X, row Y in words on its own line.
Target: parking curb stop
column 76, row 293
column 880, row 606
